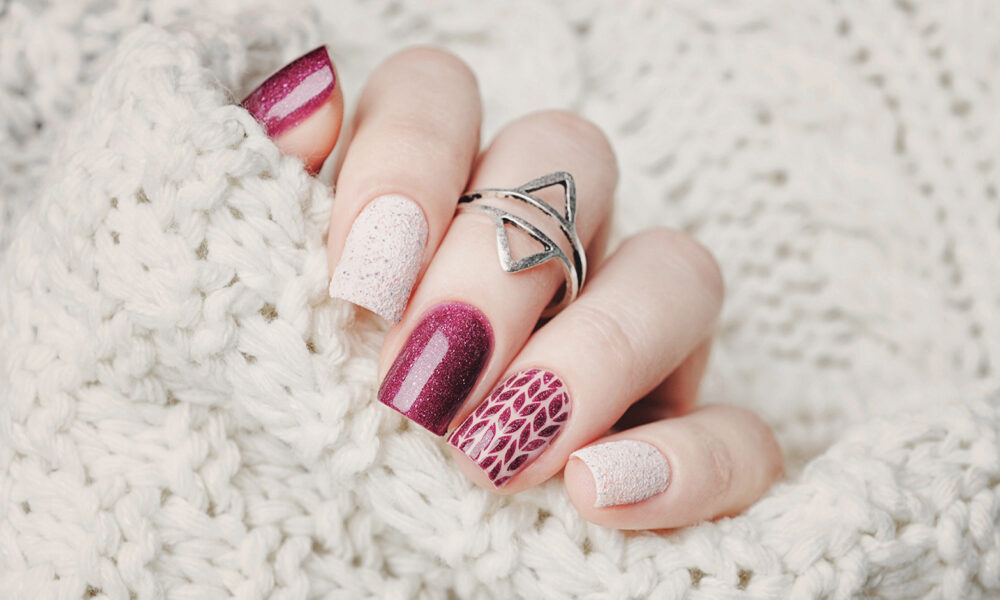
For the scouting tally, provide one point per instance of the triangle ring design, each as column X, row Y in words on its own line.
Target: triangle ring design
column 575, row 270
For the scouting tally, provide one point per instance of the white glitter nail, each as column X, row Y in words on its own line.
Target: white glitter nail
column 625, row 471
column 382, row 256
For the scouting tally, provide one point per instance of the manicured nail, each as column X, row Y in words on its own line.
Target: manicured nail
column 439, row 365
column 625, row 471
column 515, row 424
column 293, row 93
column 382, row 257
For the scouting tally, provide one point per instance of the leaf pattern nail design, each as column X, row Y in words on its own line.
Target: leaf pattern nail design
column 515, row 424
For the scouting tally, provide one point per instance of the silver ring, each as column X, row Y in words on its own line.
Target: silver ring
column 575, row 270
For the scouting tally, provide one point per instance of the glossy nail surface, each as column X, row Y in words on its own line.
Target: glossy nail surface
column 293, row 93
column 625, row 471
column 515, row 424
column 382, row 257
column 439, row 365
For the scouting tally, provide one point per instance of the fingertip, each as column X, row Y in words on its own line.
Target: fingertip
column 301, row 107
column 313, row 139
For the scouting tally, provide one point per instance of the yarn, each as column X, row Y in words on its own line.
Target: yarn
column 184, row 413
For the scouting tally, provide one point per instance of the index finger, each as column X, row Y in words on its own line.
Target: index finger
column 416, row 133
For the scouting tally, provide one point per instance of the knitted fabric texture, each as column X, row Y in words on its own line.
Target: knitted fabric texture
column 184, row 413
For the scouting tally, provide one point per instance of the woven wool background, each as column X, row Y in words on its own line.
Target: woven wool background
column 183, row 413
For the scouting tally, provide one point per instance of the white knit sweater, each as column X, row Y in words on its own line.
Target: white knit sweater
column 184, row 414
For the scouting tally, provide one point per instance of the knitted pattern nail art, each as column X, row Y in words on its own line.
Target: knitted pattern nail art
column 515, row 424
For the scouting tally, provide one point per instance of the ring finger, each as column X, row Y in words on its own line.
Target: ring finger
column 645, row 311
column 468, row 317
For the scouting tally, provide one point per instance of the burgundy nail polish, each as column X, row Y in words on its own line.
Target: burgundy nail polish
column 512, row 427
column 439, row 365
column 293, row 93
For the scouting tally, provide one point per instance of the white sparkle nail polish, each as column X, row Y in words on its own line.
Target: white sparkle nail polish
column 382, row 256
column 625, row 471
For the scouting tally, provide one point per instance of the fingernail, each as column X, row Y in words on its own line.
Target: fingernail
column 382, row 257
column 625, row 471
column 439, row 365
column 515, row 424
column 293, row 93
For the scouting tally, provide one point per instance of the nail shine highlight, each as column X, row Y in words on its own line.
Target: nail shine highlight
column 289, row 96
column 439, row 365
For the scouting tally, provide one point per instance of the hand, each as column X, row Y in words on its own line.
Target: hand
column 465, row 353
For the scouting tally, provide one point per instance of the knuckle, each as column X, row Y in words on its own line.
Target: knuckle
column 719, row 461
column 763, row 439
column 438, row 63
column 563, row 125
column 423, row 137
column 613, row 335
column 430, row 125
column 570, row 124
column 684, row 251
column 575, row 127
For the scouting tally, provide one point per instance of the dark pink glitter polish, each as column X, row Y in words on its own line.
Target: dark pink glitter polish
column 512, row 427
column 293, row 93
column 439, row 365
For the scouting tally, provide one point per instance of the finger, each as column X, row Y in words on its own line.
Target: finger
column 654, row 301
column 415, row 135
column 677, row 395
column 301, row 107
column 679, row 392
column 468, row 317
column 713, row 462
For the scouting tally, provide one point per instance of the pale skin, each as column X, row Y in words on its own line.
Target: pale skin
column 632, row 348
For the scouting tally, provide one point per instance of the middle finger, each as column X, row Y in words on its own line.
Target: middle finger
column 468, row 317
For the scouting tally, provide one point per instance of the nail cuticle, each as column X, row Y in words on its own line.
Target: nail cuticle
column 289, row 96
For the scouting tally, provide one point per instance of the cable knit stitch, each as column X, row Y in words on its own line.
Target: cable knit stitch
column 184, row 413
